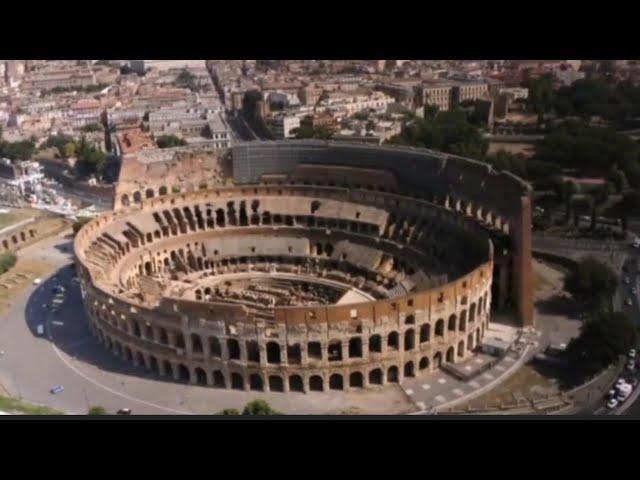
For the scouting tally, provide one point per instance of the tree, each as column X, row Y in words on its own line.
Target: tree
column 593, row 283
column 258, row 407
column 618, row 178
column 69, row 150
column 541, row 95
column 229, row 411
column 169, row 141
column 98, row 411
column 601, row 341
column 7, row 261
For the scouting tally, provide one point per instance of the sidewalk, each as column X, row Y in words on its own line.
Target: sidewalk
column 441, row 391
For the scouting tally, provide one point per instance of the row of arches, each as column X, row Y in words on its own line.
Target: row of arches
column 264, row 381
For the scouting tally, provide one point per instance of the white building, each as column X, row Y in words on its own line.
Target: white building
column 282, row 125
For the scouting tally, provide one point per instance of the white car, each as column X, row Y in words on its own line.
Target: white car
column 632, row 353
column 611, row 404
column 37, row 281
column 620, row 382
column 631, row 365
column 629, row 302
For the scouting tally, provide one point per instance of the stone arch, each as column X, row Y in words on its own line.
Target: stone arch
column 437, row 360
column 451, row 355
column 153, row 364
column 409, row 339
column 409, row 370
column 375, row 377
column 126, row 354
column 138, row 359
column 149, row 193
column 253, row 351
column 296, row 384
column 452, row 323
column 393, row 374
column 275, row 383
column 439, row 330
column 356, row 380
column 162, row 190
column 196, row 344
column 233, row 347
column 336, row 382
column 218, row 379
column 375, row 343
column 424, row 363
column 316, row 383
column 472, row 313
column 461, row 348
column 137, row 197
column 410, row 320
column 124, row 200
column 425, row 333
column 273, row 352
column 355, row 347
column 237, row 381
column 167, row 368
column 183, row 373
column 393, row 341
column 255, row 382
column 201, row 376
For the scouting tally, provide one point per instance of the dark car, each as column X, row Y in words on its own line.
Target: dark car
column 124, row 411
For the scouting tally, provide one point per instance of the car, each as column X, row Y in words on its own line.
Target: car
column 40, row 330
column 620, row 382
column 632, row 353
column 56, row 389
column 629, row 302
column 612, row 403
column 622, row 396
column 37, row 281
column 631, row 366
column 626, row 280
column 124, row 411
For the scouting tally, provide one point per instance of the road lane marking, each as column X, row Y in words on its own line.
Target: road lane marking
column 111, row 390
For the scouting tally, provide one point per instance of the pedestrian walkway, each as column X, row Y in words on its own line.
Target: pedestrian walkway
column 440, row 390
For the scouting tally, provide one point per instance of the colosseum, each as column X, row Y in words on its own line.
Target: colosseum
column 303, row 266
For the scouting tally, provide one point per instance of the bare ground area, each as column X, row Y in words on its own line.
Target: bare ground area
column 13, row 282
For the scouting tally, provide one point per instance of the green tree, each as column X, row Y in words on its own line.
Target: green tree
column 229, row 411
column 69, row 150
column 7, row 261
column 618, row 178
column 593, row 283
column 541, row 95
column 98, row 411
column 601, row 341
column 258, row 407
column 169, row 141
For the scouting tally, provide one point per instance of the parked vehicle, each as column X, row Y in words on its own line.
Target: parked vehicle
column 631, row 366
column 37, row 281
column 613, row 403
column 40, row 330
column 124, row 411
column 632, row 353
column 56, row 389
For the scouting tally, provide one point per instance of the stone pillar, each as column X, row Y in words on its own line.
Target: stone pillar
column 206, row 348
column 171, row 337
column 224, row 351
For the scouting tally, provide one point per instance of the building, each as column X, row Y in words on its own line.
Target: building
column 304, row 266
column 437, row 94
column 567, row 76
column 282, row 125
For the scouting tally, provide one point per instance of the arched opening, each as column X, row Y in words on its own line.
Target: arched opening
column 315, row 383
column 409, row 370
column 437, row 360
column 463, row 321
column 440, row 328
column 276, row 384
column 470, row 342
column 450, row 355
column 273, row 352
column 162, row 190
column 409, row 339
column 410, row 320
column 201, row 376
column 294, row 354
column 392, row 374
column 425, row 333
column 452, row 323
column 126, row 354
column 424, row 363
column 335, row 351
column 296, row 384
column 472, row 313
column 153, row 364
column 461, row 349
column 375, row 343
column 375, row 377
column 139, row 359
column 255, row 382
column 355, row 347
column 124, row 200
column 196, row 344
column 234, row 349
column 183, row 373
column 167, row 367
column 253, row 351
column 179, row 341
column 393, row 341
column 356, row 380
column 214, row 347
column 237, row 382
column 149, row 193
column 218, row 379
column 137, row 198
column 336, row 382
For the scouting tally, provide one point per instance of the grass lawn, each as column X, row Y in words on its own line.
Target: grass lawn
column 13, row 405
